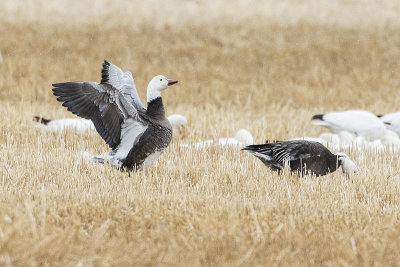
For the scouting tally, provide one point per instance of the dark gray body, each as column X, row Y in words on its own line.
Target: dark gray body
column 156, row 138
column 302, row 156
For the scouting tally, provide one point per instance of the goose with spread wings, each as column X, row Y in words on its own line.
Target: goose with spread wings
column 136, row 135
column 302, row 156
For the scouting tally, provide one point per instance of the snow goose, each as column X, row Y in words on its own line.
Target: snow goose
column 302, row 156
column 389, row 117
column 395, row 126
column 81, row 125
column 392, row 121
column 136, row 135
column 357, row 122
column 177, row 121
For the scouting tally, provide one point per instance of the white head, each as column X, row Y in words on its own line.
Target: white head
column 348, row 166
column 244, row 137
column 156, row 85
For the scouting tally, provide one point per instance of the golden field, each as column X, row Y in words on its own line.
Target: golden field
column 264, row 66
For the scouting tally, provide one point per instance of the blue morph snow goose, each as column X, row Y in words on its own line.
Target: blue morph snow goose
column 302, row 156
column 136, row 135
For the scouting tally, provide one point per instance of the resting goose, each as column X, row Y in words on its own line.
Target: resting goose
column 389, row 117
column 81, row 125
column 302, row 156
column 136, row 135
column 357, row 122
column 392, row 121
column 177, row 121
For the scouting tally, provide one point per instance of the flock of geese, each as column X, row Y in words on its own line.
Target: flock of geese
column 138, row 135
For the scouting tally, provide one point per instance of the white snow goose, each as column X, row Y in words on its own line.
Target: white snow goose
column 177, row 121
column 303, row 157
column 137, row 136
column 81, row 125
column 357, row 122
column 392, row 121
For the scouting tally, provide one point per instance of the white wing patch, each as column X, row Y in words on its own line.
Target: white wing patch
column 280, row 154
column 124, row 82
column 151, row 158
column 260, row 155
column 130, row 133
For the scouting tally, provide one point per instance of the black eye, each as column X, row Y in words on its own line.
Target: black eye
column 160, row 80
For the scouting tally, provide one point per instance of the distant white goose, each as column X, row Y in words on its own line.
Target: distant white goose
column 389, row 117
column 395, row 126
column 392, row 121
column 242, row 138
column 136, row 135
column 177, row 121
column 357, row 122
column 302, row 157
column 81, row 125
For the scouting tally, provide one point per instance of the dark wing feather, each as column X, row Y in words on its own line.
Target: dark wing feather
column 92, row 101
column 287, row 150
column 266, row 154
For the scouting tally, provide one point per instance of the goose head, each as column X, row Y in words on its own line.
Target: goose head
column 348, row 166
column 156, row 85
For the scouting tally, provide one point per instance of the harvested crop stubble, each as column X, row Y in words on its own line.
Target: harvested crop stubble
column 267, row 66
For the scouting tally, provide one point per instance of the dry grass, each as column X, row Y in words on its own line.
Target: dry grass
column 266, row 67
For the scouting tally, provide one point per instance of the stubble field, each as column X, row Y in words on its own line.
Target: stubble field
column 264, row 66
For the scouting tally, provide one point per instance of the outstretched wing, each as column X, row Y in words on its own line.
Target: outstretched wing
column 101, row 103
column 123, row 82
